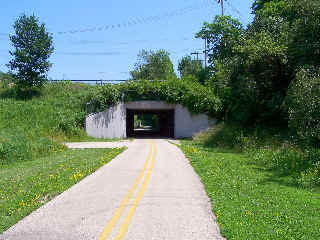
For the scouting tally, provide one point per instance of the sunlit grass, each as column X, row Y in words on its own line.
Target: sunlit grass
column 252, row 201
column 35, row 126
column 25, row 186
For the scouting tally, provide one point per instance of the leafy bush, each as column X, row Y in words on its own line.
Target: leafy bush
column 286, row 159
column 304, row 105
column 271, row 148
column 196, row 97
column 14, row 146
column 105, row 97
column 236, row 137
column 289, row 160
column 71, row 123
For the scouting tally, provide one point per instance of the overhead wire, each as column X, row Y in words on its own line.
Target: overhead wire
column 135, row 21
column 85, row 42
column 143, row 20
column 235, row 10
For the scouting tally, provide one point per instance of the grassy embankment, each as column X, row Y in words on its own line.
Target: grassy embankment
column 25, row 186
column 262, row 186
column 34, row 165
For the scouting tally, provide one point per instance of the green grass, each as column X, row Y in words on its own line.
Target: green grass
column 31, row 127
column 34, row 165
column 252, row 201
column 27, row 185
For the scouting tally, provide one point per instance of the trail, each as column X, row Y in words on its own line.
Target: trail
column 150, row 191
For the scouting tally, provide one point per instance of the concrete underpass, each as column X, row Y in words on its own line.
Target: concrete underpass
column 173, row 121
column 164, row 128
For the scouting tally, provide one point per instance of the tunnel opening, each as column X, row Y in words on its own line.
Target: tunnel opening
column 150, row 123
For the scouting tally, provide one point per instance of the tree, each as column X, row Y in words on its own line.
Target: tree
column 187, row 66
column 304, row 106
column 221, row 36
column 32, row 49
column 153, row 66
column 259, row 4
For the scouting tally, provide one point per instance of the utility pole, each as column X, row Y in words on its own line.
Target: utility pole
column 222, row 6
column 205, row 52
column 196, row 53
column 221, row 2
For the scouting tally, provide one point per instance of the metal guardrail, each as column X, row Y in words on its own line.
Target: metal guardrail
column 102, row 81
column 96, row 82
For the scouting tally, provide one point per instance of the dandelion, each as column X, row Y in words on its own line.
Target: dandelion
column 77, row 176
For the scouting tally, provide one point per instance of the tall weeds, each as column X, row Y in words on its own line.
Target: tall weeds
column 274, row 149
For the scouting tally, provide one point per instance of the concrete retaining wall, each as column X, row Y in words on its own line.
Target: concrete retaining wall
column 112, row 122
column 108, row 124
column 187, row 124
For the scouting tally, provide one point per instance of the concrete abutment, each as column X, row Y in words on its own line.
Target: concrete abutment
column 175, row 120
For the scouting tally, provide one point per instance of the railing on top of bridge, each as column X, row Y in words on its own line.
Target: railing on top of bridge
column 100, row 81
column 95, row 82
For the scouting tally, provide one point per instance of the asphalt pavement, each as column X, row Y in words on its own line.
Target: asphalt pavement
column 148, row 192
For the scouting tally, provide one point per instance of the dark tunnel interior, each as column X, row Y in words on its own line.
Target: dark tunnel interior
column 150, row 123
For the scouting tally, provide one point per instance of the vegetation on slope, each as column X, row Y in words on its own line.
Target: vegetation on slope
column 34, row 165
column 260, row 185
column 262, row 168
column 196, row 97
column 266, row 73
column 25, row 186
column 33, row 126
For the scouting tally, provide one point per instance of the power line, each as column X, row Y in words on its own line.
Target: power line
column 89, row 53
column 85, row 42
column 136, row 21
column 234, row 9
column 143, row 20
column 103, row 53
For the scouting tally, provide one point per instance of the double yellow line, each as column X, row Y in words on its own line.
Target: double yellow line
column 117, row 215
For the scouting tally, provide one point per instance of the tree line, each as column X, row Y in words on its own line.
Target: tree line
column 264, row 73
column 268, row 72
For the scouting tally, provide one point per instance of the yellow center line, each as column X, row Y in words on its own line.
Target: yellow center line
column 115, row 218
column 127, row 221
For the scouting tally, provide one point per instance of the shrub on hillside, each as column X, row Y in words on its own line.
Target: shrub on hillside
column 14, row 146
column 31, row 129
column 71, row 123
column 44, row 145
column 194, row 96
column 239, row 138
column 304, row 105
column 270, row 148
column 304, row 166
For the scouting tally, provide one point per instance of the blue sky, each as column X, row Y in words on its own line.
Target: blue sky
column 101, row 39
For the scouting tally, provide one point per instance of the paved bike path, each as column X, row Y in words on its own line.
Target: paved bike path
column 150, row 191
